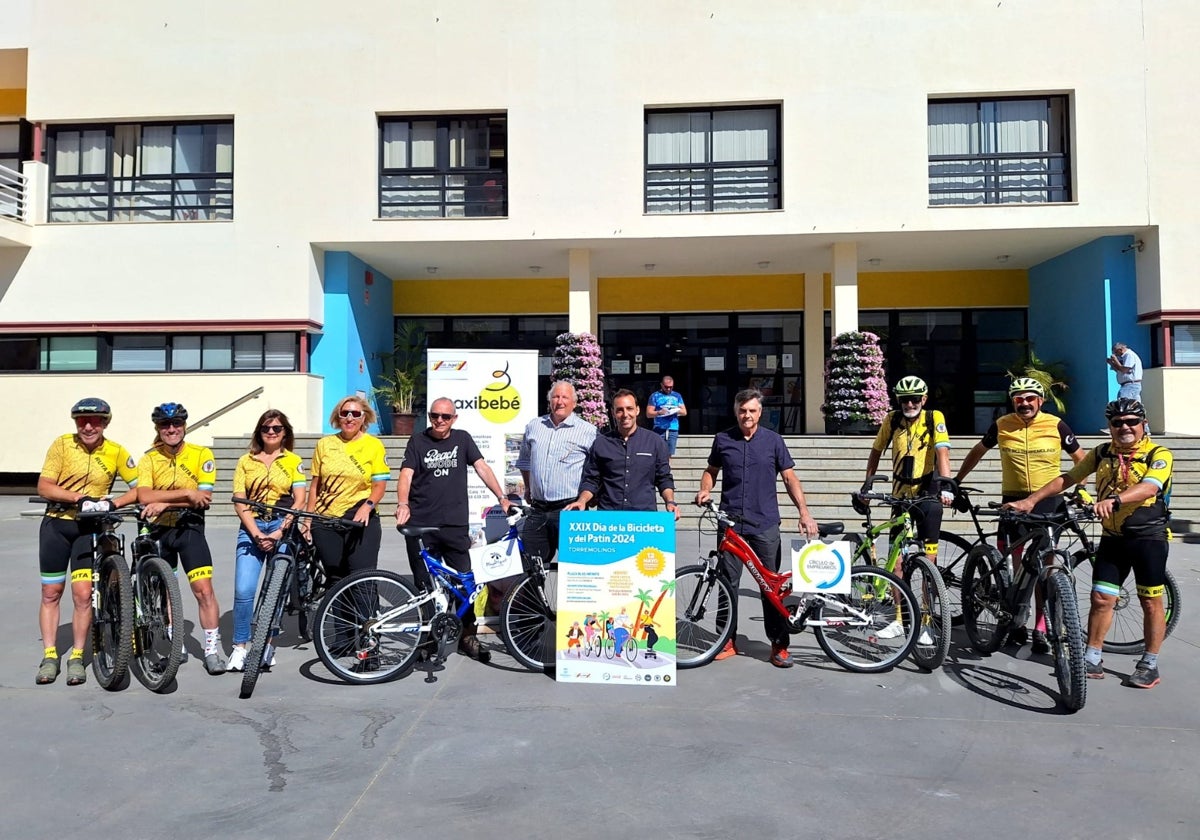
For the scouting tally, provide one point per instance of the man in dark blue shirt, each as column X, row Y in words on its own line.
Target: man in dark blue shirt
column 625, row 466
column 749, row 458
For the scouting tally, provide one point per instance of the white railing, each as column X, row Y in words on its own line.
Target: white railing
column 14, row 192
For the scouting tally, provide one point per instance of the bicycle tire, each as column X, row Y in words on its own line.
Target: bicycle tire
column 984, row 587
column 1065, row 635
column 527, row 622
column 629, row 649
column 705, row 613
column 112, row 623
column 346, row 635
column 935, row 611
column 266, row 617
column 951, row 562
column 1126, row 633
column 854, row 642
column 158, row 645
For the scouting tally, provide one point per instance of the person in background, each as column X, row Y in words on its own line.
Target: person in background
column 665, row 407
column 1128, row 367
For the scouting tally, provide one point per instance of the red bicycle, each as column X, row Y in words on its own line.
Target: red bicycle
column 847, row 626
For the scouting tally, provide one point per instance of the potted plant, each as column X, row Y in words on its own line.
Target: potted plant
column 856, row 396
column 577, row 360
column 402, row 382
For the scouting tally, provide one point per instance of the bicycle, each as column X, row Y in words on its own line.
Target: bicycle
column 293, row 583
column 370, row 625
column 846, row 626
column 157, row 648
column 921, row 574
column 994, row 601
column 529, row 611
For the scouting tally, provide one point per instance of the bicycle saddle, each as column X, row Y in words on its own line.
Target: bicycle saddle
column 829, row 529
column 414, row 531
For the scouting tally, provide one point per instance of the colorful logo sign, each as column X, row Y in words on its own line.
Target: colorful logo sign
column 821, row 567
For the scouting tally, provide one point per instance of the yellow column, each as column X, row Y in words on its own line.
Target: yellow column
column 581, row 293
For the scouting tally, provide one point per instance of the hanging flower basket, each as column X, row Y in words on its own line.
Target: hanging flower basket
column 856, row 396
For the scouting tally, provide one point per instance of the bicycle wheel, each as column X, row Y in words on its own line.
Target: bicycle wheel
column 873, row 627
column 527, row 618
column 306, row 608
column 1065, row 635
column 112, row 623
column 266, row 618
column 1126, row 633
column 984, row 586
column 705, row 612
column 951, row 562
column 629, row 649
column 158, row 624
column 368, row 627
column 928, row 587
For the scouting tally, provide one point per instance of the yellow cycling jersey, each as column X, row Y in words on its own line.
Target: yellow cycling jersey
column 268, row 483
column 191, row 468
column 343, row 472
column 913, row 449
column 69, row 465
column 1030, row 454
column 1116, row 471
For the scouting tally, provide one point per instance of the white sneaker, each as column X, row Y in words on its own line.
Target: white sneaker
column 237, row 659
column 926, row 638
column 891, row 631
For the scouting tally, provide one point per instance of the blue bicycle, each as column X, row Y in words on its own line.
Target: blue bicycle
column 371, row 625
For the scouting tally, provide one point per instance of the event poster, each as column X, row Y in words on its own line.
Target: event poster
column 495, row 395
column 616, row 598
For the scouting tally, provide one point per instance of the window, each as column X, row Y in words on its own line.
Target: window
column 69, row 353
column 999, row 151
column 147, row 353
column 435, row 167
column 717, row 160
column 133, row 172
column 139, row 353
column 1185, row 344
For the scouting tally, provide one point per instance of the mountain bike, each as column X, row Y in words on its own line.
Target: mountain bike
column 846, row 626
column 112, row 596
column 994, row 601
column 920, row 573
column 157, row 604
column 293, row 583
column 371, row 625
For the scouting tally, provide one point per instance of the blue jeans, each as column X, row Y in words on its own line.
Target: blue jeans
column 671, row 436
column 245, row 577
column 1130, row 391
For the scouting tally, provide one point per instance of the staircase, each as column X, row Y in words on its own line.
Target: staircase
column 830, row 468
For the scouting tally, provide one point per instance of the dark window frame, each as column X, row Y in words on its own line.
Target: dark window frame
column 105, row 345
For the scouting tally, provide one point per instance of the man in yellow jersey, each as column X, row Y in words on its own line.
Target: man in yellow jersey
column 79, row 471
column 920, row 457
column 175, row 483
column 1133, row 482
column 1031, row 445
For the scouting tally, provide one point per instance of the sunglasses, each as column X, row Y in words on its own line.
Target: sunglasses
column 433, row 415
column 349, row 412
column 171, row 424
column 270, row 430
column 1025, row 399
column 1125, row 422
column 909, row 400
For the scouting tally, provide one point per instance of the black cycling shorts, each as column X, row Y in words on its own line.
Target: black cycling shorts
column 1116, row 556
column 927, row 516
column 186, row 544
column 63, row 544
column 1009, row 532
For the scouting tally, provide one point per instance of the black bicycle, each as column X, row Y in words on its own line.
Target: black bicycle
column 293, row 584
column 157, row 643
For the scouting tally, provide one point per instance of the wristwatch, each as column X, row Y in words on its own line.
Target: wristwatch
column 370, row 503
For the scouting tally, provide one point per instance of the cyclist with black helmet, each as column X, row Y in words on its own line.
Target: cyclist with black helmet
column 1031, row 444
column 920, row 457
column 78, row 473
column 1133, row 480
column 175, row 483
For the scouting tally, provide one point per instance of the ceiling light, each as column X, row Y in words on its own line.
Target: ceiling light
column 874, row 261
column 1002, row 258
column 764, row 264
column 648, row 266
column 534, row 269
column 432, row 269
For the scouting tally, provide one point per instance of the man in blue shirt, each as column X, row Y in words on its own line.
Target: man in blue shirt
column 749, row 458
column 665, row 407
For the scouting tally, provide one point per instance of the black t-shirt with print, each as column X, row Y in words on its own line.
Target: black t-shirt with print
column 439, row 485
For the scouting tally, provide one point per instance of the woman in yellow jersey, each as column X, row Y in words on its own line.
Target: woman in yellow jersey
column 80, row 468
column 349, row 475
column 175, row 483
column 270, row 473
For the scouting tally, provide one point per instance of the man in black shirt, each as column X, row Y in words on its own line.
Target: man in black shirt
column 432, row 492
column 625, row 466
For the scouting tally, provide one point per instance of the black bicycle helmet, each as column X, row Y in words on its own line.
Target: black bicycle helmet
column 1124, row 407
column 92, row 407
column 168, row 411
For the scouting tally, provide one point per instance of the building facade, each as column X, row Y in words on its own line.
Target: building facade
column 200, row 201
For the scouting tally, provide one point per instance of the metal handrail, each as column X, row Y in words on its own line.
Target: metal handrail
column 13, row 191
column 225, row 409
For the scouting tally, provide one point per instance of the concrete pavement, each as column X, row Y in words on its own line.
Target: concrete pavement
column 736, row 749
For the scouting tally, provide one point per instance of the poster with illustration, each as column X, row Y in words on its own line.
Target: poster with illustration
column 616, row 598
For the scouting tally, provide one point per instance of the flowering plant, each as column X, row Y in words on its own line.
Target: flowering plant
column 855, row 386
column 577, row 360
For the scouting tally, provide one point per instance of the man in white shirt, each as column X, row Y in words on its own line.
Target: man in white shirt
column 1129, row 371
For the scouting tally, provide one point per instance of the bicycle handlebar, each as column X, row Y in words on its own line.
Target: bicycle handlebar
column 729, row 520
column 271, row 510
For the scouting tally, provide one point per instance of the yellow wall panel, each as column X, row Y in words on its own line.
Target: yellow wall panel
column 513, row 296
column 930, row 289
column 12, row 102
column 701, row 294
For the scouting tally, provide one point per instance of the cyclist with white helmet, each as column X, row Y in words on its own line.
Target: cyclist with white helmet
column 79, row 471
column 920, row 457
column 1031, row 444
